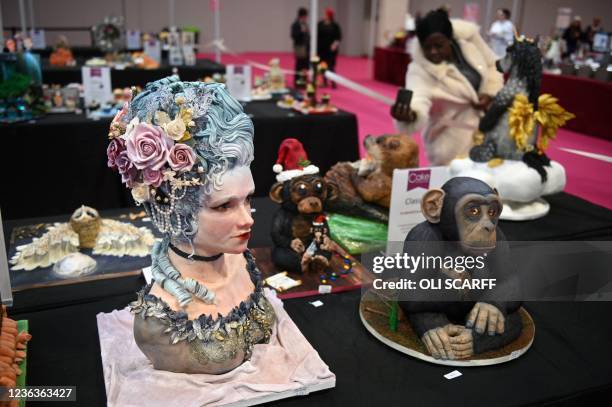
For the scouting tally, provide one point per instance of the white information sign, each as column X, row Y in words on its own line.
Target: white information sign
column 238, row 81
column 152, row 48
column 132, row 38
column 38, row 39
column 409, row 186
column 97, row 85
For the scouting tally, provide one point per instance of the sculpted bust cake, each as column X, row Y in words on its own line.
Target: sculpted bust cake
column 184, row 149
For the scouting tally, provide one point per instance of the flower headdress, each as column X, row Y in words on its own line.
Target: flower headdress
column 166, row 144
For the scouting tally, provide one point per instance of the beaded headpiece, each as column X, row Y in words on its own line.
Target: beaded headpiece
column 172, row 142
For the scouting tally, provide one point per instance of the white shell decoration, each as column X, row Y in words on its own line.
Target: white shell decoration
column 74, row 265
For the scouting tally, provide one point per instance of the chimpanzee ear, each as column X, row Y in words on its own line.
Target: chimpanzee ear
column 431, row 204
column 332, row 191
column 276, row 192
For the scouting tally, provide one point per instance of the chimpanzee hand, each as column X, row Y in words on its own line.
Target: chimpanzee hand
column 448, row 342
column 297, row 246
column 462, row 343
column 486, row 316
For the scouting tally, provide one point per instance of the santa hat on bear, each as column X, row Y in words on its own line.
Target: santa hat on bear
column 292, row 161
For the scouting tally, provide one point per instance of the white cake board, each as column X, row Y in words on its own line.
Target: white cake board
column 386, row 336
column 287, row 366
column 521, row 211
column 430, row 359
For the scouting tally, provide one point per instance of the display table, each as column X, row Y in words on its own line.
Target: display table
column 391, row 65
column 134, row 76
column 69, row 158
column 569, row 360
column 589, row 99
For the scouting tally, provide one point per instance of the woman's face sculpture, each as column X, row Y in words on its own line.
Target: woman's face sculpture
column 225, row 221
column 437, row 48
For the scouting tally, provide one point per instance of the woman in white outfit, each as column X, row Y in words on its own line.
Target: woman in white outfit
column 453, row 79
column 501, row 33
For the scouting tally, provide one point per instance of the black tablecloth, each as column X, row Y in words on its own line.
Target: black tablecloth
column 133, row 76
column 569, row 362
column 56, row 164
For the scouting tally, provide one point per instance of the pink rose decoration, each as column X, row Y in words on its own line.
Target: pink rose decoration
column 152, row 177
column 181, row 157
column 115, row 147
column 148, row 146
column 126, row 168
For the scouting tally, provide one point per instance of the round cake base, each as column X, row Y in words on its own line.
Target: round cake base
column 373, row 312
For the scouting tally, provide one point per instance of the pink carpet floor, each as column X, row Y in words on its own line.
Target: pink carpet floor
column 588, row 178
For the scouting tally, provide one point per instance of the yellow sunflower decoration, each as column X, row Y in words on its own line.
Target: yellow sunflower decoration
column 522, row 119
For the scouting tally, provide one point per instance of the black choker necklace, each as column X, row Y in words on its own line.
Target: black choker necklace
column 193, row 256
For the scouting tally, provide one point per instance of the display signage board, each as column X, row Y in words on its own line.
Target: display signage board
column 96, row 85
column 238, row 81
column 175, row 55
column 5, row 280
column 409, row 186
column 38, row 39
column 132, row 38
column 188, row 44
column 152, row 48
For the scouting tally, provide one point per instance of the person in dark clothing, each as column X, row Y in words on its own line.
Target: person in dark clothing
column 591, row 30
column 301, row 41
column 328, row 41
column 572, row 36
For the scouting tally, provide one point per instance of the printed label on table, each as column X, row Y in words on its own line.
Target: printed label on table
column 409, row 186
column 453, row 374
column 238, row 81
column 152, row 48
column 38, row 39
column 132, row 39
column 97, row 85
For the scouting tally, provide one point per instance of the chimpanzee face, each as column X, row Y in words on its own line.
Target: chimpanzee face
column 477, row 217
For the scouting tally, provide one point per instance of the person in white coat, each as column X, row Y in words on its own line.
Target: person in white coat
column 453, row 78
column 501, row 33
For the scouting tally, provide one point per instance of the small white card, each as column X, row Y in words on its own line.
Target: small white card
column 317, row 303
column 453, row 374
column 97, row 85
column 325, row 289
column 132, row 39
column 409, row 186
column 282, row 282
column 148, row 274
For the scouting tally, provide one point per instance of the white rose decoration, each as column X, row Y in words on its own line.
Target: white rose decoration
column 176, row 129
column 130, row 127
column 140, row 193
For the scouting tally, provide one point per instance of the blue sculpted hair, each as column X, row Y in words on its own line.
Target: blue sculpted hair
column 222, row 136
